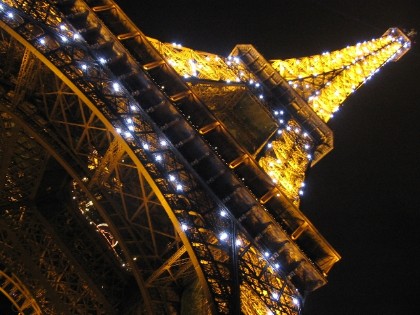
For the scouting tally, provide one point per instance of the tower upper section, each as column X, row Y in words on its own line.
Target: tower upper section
column 310, row 88
column 325, row 81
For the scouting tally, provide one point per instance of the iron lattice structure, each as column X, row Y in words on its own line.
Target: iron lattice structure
column 140, row 177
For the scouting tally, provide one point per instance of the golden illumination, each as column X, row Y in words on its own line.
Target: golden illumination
column 325, row 81
column 202, row 65
column 17, row 293
column 287, row 159
column 280, row 293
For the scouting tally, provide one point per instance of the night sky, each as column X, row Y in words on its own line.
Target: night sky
column 364, row 196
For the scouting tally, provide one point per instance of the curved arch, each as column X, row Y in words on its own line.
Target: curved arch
column 137, row 273
column 16, row 292
column 208, row 250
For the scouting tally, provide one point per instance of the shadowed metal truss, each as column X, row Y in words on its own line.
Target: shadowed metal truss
column 120, row 180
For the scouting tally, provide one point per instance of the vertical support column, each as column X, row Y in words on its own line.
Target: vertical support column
column 236, row 293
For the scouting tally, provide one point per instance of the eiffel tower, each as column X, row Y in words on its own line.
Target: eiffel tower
column 142, row 177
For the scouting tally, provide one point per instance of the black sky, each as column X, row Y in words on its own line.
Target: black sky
column 364, row 196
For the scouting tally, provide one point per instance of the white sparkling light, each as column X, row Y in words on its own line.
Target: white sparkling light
column 223, row 213
column 223, row 236
column 116, row 87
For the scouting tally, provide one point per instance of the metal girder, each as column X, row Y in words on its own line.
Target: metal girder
column 103, row 166
column 46, row 297
column 70, row 119
column 285, row 94
column 22, row 163
column 206, row 246
column 187, row 174
column 9, row 135
column 133, row 232
column 152, row 170
column 98, row 264
column 26, row 78
column 57, row 282
column 166, row 266
column 166, row 79
column 137, row 213
column 18, row 294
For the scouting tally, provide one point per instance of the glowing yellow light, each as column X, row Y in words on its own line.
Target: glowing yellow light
column 343, row 71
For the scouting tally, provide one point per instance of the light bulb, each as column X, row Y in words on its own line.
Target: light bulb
column 223, row 236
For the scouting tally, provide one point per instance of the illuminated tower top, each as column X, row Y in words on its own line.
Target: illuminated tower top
column 325, row 81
